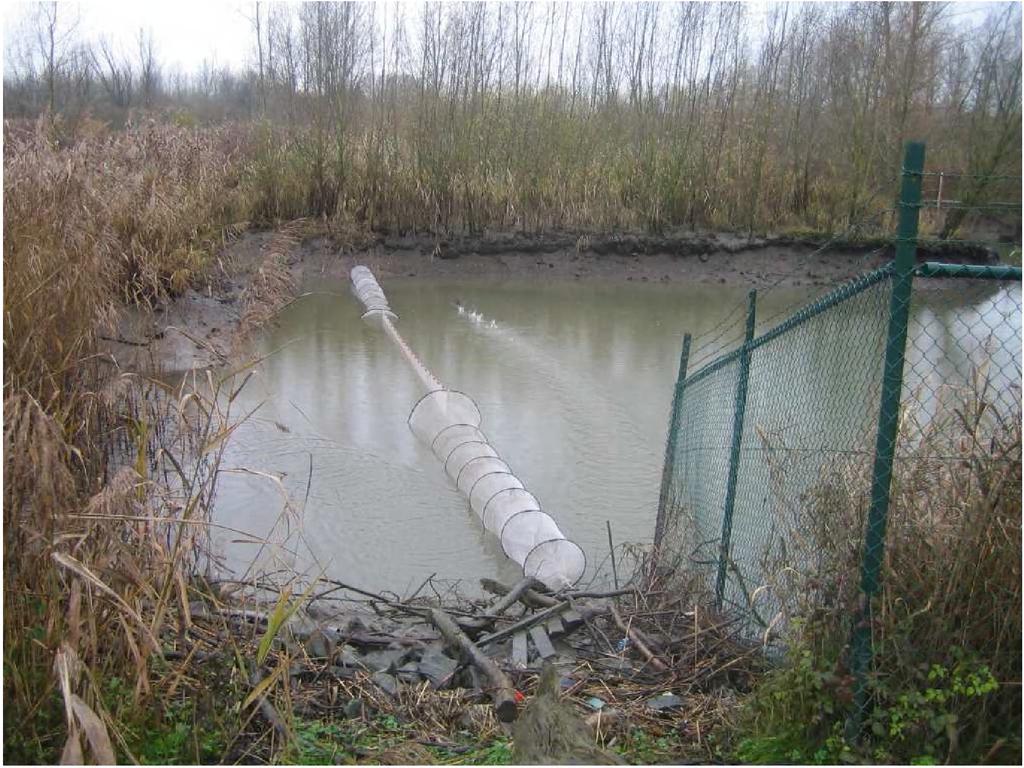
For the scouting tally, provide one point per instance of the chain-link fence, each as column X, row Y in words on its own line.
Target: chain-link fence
column 783, row 455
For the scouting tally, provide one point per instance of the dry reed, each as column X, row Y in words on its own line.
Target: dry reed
column 104, row 506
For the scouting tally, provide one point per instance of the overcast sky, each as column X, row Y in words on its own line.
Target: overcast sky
column 187, row 32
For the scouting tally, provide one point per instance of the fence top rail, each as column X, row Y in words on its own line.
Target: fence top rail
column 961, row 175
column 839, row 295
column 975, row 271
column 928, row 269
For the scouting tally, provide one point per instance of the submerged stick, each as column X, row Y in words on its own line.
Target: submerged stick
column 611, row 551
column 502, row 692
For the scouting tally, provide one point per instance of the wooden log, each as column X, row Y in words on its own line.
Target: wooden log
column 502, row 693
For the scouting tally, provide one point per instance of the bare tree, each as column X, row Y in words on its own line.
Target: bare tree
column 116, row 75
column 54, row 36
column 149, row 68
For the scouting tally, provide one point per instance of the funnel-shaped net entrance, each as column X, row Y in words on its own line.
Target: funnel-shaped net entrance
column 449, row 423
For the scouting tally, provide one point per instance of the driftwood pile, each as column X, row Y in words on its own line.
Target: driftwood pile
column 632, row 656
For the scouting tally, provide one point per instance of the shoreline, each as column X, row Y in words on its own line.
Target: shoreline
column 200, row 327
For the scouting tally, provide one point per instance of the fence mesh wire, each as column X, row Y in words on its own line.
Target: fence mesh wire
column 808, row 433
column 863, row 440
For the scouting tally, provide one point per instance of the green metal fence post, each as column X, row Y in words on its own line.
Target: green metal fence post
column 888, row 423
column 734, row 451
column 670, row 447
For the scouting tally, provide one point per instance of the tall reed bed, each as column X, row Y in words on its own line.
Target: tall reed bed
column 113, row 218
column 105, row 507
column 540, row 170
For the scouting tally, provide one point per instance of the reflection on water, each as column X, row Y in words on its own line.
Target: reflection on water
column 965, row 347
column 574, row 381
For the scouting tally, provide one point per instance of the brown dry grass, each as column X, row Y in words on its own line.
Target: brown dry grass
column 272, row 285
column 952, row 568
column 104, row 506
column 951, row 574
column 112, row 218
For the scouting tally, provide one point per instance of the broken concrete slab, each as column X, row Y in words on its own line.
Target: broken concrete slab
column 664, row 702
column 342, row 673
column 555, row 627
column 542, row 642
column 346, row 656
column 387, row 683
column 520, row 651
column 409, row 673
column 355, row 708
column 318, row 645
column 571, row 619
column 384, row 660
column 437, row 667
column 616, row 664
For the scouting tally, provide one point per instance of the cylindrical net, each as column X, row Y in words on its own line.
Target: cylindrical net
column 449, row 423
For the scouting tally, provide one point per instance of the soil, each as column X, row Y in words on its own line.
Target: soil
column 757, row 262
column 197, row 328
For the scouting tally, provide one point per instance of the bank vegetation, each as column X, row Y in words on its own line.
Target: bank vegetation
column 122, row 179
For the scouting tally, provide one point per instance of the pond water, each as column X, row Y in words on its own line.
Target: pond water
column 574, row 382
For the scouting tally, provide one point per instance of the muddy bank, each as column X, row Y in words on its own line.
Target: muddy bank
column 679, row 243
column 692, row 256
column 200, row 327
column 205, row 325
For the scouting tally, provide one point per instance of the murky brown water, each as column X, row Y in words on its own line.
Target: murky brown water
column 574, row 381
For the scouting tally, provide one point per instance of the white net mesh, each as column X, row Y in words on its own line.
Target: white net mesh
column 449, row 422
column 476, row 468
column 369, row 292
column 447, row 416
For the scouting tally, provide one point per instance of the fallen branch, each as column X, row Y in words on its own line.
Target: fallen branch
column 502, row 692
column 531, row 598
column 609, row 593
column 517, row 591
column 499, row 607
column 398, row 605
column 529, row 621
column 637, row 638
